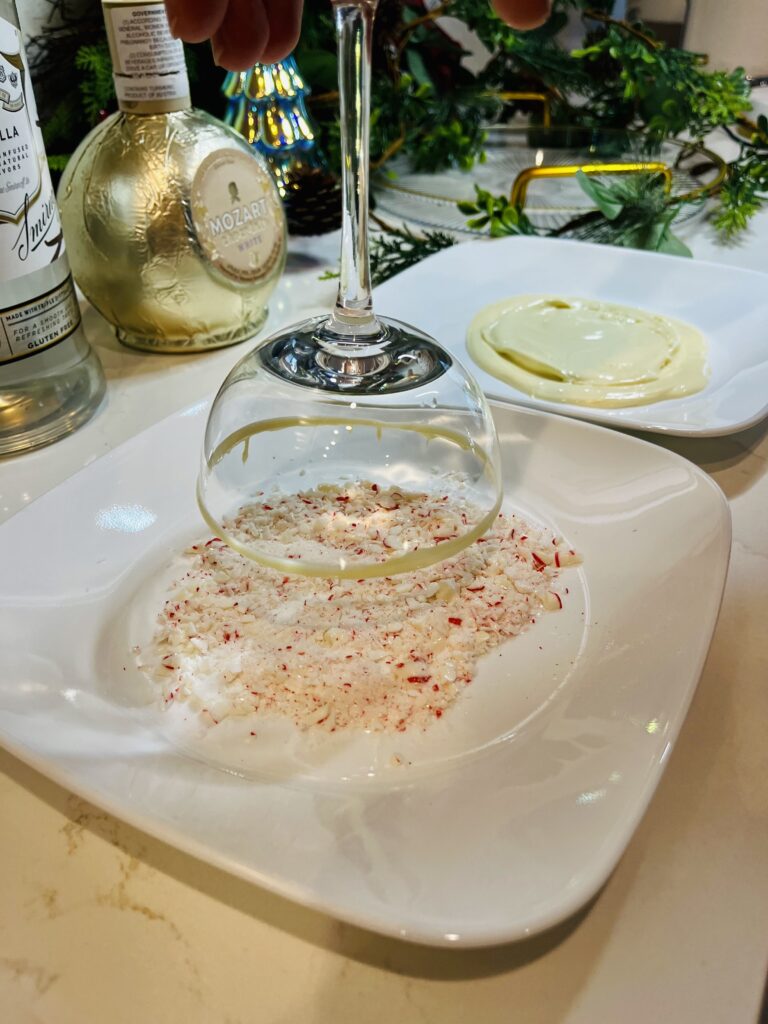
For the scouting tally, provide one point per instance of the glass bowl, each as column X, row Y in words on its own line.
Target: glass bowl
column 332, row 472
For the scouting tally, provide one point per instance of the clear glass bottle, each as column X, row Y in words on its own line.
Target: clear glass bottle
column 50, row 380
column 174, row 224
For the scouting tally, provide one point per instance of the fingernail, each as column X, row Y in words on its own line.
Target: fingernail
column 216, row 51
column 172, row 24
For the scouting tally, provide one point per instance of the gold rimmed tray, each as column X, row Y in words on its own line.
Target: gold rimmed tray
column 538, row 165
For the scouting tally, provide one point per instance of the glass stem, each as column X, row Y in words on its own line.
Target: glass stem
column 353, row 314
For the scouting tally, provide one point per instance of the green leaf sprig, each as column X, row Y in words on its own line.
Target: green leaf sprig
column 97, row 87
column 397, row 249
column 745, row 190
column 634, row 212
column 497, row 213
column 665, row 88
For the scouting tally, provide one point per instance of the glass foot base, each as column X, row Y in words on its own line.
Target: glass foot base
column 395, row 357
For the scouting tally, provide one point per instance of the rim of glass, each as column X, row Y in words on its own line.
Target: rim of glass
column 394, row 566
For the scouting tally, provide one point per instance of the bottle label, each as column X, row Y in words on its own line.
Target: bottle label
column 30, row 326
column 237, row 215
column 148, row 63
column 30, row 232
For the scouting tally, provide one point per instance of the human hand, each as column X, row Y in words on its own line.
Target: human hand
column 243, row 32
column 523, row 14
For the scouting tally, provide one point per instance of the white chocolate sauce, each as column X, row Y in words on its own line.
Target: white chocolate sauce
column 587, row 352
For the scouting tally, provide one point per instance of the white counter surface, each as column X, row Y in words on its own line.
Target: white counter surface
column 102, row 923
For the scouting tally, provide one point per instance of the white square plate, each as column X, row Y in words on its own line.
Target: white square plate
column 518, row 803
column 729, row 306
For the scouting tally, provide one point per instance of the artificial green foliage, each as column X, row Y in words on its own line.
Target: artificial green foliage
column 745, row 190
column 523, row 59
column 428, row 109
column 497, row 214
column 629, row 78
column 397, row 249
column 57, row 163
column 665, row 89
column 435, row 131
column 423, row 104
column 453, row 141
column 96, row 84
column 635, row 212
column 58, row 132
column 56, row 77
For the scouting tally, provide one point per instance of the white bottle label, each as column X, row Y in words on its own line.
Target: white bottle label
column 39, row 323
column 30, row 231
column 148, row 62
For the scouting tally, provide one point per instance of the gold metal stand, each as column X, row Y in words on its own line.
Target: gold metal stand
column 540, row 97
column 524, row 178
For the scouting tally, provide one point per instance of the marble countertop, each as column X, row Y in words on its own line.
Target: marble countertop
column 103, row 923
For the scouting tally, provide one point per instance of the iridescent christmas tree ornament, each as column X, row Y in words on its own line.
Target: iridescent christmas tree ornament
column 267, row 105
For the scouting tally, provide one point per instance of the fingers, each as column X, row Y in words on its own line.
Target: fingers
column 243, row 35
column 255, row 30
column 284, row 28
column 243, row 32
column 195, row 20
column 522, row 14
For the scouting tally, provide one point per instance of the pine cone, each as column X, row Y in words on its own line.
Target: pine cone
column 312, row 202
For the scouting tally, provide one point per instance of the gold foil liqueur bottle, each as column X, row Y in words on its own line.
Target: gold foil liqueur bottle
column 174, row 224
column 50, row 381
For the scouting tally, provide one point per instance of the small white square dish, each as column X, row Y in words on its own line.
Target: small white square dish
column 516, row 805
column 728, row 305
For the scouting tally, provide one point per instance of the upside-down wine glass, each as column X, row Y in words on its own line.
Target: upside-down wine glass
column 343, row 416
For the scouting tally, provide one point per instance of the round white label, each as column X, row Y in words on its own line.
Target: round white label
column 237, row 215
